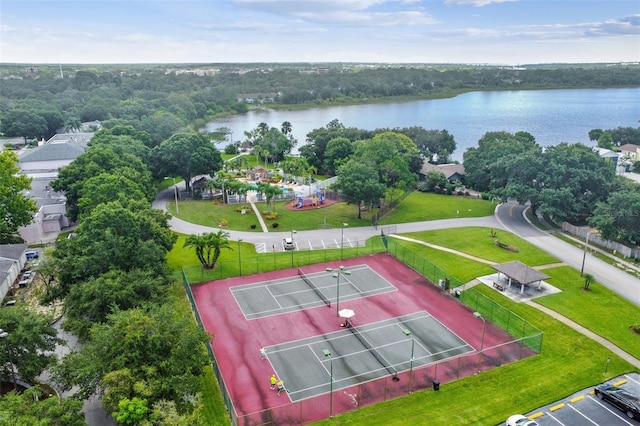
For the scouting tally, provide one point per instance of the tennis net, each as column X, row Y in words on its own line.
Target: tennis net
column 373, row 351
column 313, row 287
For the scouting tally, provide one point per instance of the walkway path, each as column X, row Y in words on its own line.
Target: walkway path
column 585, row 331
column 590, row 334
column 259, row 216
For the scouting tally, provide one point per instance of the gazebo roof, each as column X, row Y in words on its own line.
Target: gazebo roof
column 520, row 272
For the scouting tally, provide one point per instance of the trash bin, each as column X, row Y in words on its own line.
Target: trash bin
column 436, row 385
column 457, row 293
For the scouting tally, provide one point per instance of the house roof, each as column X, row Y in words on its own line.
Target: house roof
column 628, row 147
column 448, row 169
column 12, row 251
column 520, row 272
column 67, row 146
column 606, row 153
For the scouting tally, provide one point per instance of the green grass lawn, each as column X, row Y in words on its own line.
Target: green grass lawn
column 208, row 213
column 420, row 206
column 479, row 242
column 598, row 309
column 416, row 207
column 569, row 361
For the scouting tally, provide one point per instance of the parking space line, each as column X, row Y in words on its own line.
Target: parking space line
column 606, row 407
column 632, row 379
column 579, row 412
column 310, row 246
column 556, row 420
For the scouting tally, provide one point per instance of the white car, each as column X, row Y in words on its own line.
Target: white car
column 288, row 244
column 520, row 420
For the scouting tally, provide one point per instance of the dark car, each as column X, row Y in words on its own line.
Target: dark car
column 623, row 400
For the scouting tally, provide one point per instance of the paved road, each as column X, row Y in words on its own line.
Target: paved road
column 511, row 215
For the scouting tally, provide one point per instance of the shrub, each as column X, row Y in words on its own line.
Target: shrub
column 224, row 222
column 275, row 224
column 253, row 226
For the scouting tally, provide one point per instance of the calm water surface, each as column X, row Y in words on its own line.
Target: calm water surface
column 551, row 116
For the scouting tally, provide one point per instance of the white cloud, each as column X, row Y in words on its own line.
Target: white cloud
column 476, row 3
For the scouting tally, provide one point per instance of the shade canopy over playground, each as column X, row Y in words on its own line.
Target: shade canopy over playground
column 520, row 273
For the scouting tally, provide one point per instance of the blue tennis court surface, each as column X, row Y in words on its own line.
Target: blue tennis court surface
column 293, row 294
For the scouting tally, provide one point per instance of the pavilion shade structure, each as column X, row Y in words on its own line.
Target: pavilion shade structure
column 520, row 273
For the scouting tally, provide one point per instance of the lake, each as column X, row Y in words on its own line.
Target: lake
column 551, row 116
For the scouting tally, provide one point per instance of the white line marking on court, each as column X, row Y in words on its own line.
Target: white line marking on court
column 272, row 295
column 238, row 303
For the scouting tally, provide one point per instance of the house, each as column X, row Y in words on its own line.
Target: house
column 452, row 172
column 12, row 260
column 42, row 165
column 629, row 154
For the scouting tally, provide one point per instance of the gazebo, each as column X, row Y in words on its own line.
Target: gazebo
column 520, row 273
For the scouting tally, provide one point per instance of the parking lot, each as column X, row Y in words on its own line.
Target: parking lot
column 584, row 407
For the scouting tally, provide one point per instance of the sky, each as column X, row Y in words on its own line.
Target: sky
column 508, row 32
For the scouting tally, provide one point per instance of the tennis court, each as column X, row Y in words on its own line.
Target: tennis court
column 396, row 311
column 363, row 353
column 306, row 291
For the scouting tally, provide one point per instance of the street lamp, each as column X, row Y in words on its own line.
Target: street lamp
column 336, row 275
column 584, row 254
column 4, row 335
column 484, row 323
column 413, row 342
column 327, row 353
column 293, row 231
column 239, row 260
column 344, row 225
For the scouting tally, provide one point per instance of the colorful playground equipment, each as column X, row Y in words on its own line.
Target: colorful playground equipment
column 316, row 200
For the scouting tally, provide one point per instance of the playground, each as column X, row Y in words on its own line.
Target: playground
column 405, row 334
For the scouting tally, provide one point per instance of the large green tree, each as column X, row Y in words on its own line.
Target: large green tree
column 24, row 122
column 16, row 209
column 186, row 155
column 482, row 163
column 94, row 161
column 618, row 218
column 156, row 353
column 112, row 237
column 30, row 408
column 358, row 183
column 30, row 343
column 92, row 301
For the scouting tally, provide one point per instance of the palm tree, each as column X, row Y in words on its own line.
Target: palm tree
column 588, row 279
column 209, row 246
column 286, row 128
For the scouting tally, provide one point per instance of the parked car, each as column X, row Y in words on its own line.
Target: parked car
column 520, row 420
column 620, row 398
column 288, row 244
column 31, row 255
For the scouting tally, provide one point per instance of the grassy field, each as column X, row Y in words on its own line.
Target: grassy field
column 416, row 207
column 420, row 206
column 569, row 361
column 479, row 242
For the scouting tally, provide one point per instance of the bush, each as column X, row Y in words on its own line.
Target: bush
column 231, row 149
column 224, row 222
column 253, row 226
column 275, row 224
